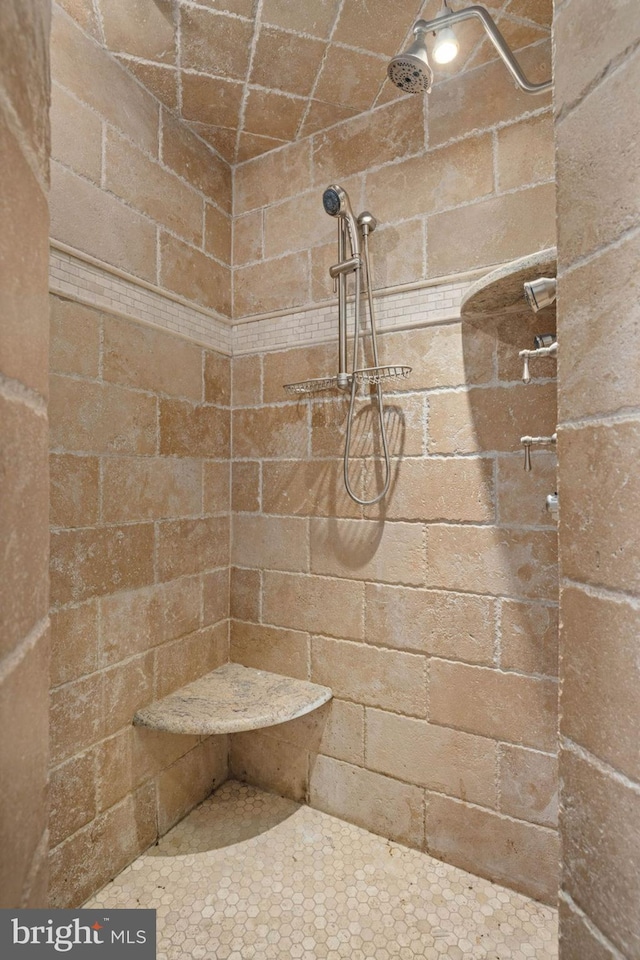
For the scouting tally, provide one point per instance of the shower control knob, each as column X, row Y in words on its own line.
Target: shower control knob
column 528, row 442
column 547, row 351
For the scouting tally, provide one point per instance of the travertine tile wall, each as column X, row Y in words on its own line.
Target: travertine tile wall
column 598, row 169
column 459, row 180
column 433, row 617
column 24, row 509
column 140, row 424
column 131, row 185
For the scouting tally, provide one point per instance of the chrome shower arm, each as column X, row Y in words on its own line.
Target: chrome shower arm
column 499, row 42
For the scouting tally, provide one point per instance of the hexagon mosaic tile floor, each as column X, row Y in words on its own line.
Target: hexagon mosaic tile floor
column 250, row 876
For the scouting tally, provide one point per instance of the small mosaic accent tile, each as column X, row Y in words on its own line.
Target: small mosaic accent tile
column 251, row 876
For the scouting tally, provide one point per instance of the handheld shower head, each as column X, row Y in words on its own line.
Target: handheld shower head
column 336, row 203
column 410, row 71
column 540, row 293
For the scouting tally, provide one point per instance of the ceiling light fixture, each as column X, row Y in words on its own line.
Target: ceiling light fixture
column 446, row 46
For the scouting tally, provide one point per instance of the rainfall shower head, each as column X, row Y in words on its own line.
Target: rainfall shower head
column 540, row 293
column 336, row 203
column 410, row 71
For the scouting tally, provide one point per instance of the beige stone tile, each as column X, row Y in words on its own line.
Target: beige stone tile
column 295, row 225
column 317, row 21
column 598, row 182
column 522, row 855
column 456, row 626
column 150, row 488
column 101, row 849
column 529, row 785
column 188, row 430
column 503, row 228
column 268, row 648
column 253, row 145
column 350, row 77
column 245, row 594
column 448, row 761
column 286, row 61
column 490, row 419
column 78, row 208
column 243, row 8
column 404, row 424
column 521, row 497
column 97, row 79
column 136, row 355
column 24, row 257
column 217, row 487
column 127, row 687
column 159, row 79
column 75, row 332
column 215, row 596
column 306, row 488
column 505, row 706
column 525, row 152
column 189, row 780
column 454, row 110
column 24, row 513
column 286, row 172
column 438, row 179
column 295, row 365
column 400, row 254
column 600, row 814
column 217, row 378
column 246, row 486
column 84, row 13
column 142, row 28
column 608, row 286
column 74, row 642
column 388, row 679
column 386, row 134
column 342, row 735
column 132, row 622
column 517, row 33
column 211, row 42
column 270, row 543
column 23, row 755
column 74, row 490
column 492, row 560
column 354, row 29
column 313, row 603
column 100, row 418
column 246, row 381
column 529, row 637
column 586, row 49
column 450, row 355
column 380, row 804
column 194, row 275
column 152, row 190
column 72, row 796
column 189, row 658
column 368, row 550
column 272, row 114
column 217, row 233
column 578, row 938
column 264, row 762
column 75, row 720
column 271, row 432
column 600, row 668
column 192, row 546
column 189, row 157
column 517, row 331
column 271, row 285
column 92, row 562
column 116, row 772
column 247, row 240
column 599, row 544
column 76, row 135
column 449, row 488
column 321, row 115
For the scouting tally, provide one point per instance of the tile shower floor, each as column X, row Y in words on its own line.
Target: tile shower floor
column 251, row 875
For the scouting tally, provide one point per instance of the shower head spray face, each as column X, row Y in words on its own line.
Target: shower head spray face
column 540, row 293
column 410, row 71
column 336, row 203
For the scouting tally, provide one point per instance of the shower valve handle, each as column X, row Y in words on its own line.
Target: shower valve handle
column 528, row 442
column 550, row 351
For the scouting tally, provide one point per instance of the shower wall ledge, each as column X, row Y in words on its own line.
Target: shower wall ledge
column 231, row 699
column 502, row 290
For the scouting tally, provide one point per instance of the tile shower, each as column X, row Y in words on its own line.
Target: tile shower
column 198, row 513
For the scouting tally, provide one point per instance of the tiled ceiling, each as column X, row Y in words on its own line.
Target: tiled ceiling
column 251, row 75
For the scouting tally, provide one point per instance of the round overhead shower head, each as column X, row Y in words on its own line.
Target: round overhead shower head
column 410, row 71
column 540, row 293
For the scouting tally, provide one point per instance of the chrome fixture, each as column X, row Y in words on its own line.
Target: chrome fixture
column 540, row 293
column 411, row 71
column 552, row 505
column 336, row 203
column 549, row 349
column 528, row 442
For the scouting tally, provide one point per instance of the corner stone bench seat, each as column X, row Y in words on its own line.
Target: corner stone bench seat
column 230, row 699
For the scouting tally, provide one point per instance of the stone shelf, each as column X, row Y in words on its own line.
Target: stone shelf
column 230, row 699
column 501, row 291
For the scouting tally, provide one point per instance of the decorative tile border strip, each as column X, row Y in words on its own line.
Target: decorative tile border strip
column 99, row 285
